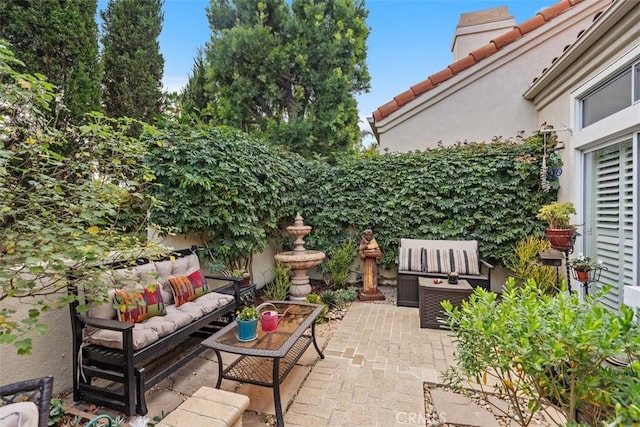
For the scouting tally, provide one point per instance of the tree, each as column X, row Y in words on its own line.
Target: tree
column 63, row 193
column 132, row 59
column 289, row 73
column 192, row 98
column 58, row 39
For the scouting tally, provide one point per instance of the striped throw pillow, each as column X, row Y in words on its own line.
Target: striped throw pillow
column 447, row 260
column 188, row 288
column 409, row 260
column 435, row 261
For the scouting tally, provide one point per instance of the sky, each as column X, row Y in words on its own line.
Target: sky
column 409, row 40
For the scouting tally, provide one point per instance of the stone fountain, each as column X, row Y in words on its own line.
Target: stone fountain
column 299, row 260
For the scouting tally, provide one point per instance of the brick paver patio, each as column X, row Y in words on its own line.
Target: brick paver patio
column 373, row 372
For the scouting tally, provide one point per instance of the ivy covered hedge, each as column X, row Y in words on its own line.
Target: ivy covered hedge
column 486, row 192
column 221, row 183
column 237, row 192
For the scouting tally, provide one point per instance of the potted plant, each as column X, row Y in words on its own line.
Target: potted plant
column 247, row 321
column 560, row 233
column 581, row 265
column 242, row 274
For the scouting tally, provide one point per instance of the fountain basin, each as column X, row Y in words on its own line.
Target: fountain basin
column 300, row 260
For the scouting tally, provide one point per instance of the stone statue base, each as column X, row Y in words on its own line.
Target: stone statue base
column 377, row 296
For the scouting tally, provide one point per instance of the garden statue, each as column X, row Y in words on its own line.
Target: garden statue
column 369, row 252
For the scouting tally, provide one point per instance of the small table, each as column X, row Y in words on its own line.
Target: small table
column 432, row 294
column 268, row 359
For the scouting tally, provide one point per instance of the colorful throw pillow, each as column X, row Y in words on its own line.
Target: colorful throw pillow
column 137, row 305
column 409, row 259
column 188, row 288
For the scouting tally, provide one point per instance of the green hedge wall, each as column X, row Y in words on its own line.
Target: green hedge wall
column 239, row 192
column 487, row 192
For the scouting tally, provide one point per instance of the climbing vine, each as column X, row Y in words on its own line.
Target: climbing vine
column 486, row 192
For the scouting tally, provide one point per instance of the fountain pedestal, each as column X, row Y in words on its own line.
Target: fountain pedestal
column 299, row 260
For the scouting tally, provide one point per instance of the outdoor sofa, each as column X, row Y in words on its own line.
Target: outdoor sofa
column 157, row 315
column 437, row 258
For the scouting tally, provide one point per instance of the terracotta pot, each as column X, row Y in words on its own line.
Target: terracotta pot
column 582, row 276
column 561, row 238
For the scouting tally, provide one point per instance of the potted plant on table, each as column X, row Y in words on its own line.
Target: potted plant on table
column 560, row 233
column 247, row 321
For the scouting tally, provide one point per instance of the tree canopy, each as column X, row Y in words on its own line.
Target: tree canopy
column 288, row 71
column 58, row 39
column 132, row 59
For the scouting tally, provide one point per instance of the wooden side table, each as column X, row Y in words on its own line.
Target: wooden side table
column 432, row 294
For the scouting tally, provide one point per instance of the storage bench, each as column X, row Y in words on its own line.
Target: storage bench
column 431, row 296
column 152, row 323
column 436, row 259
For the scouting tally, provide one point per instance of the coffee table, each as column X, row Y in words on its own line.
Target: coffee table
column 268, row 359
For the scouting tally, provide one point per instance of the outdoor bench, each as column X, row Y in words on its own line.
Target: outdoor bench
column 437, row 258
column 165, row 309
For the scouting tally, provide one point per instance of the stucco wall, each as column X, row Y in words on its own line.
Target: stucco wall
column 51, row 352
column 486, row 99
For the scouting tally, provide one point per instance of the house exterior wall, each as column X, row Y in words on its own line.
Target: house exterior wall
column 485, row 100
column 611, row 45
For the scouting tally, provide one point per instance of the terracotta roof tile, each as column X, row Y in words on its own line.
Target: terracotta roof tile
column 404, row 97
column 422, row 87
column 388, row 108
column 506, row 38
column 462, row 64
column 552, row 11
column 484, row 51
column 532, row 24
column 441, row 76
column 474, row 57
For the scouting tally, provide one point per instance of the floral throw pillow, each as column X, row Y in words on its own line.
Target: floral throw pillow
column 188, row 288
column 137, row 305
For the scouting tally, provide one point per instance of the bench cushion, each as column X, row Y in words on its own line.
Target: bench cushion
column 150, row 330
column 410, row 259
column 447, row 260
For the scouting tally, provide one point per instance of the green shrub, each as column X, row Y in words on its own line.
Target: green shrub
column 345, row 296
column 339, row 264
column 523, row 261
column 314, row 298
column 328, row 298
column 550, row 349
column 278, row 288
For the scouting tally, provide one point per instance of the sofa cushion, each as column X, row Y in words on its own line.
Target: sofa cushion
column 136, row 305
column 435, row 260
column 409, row 259
column 184, row 265
column 142, row 337
column 464, row 262
column 447, row 260
column 188, row 288
column 205, row 304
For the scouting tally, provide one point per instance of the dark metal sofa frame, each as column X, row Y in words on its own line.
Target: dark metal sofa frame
column 37, row 390
column 97, row 368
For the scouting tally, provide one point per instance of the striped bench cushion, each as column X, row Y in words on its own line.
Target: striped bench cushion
column 447, row 260
column 410, row 259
